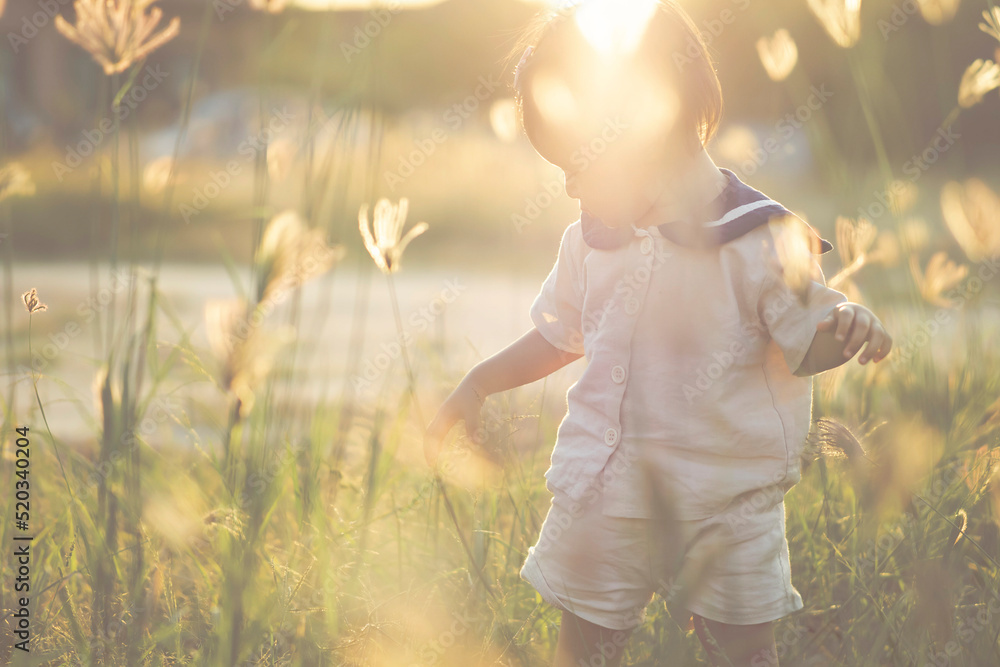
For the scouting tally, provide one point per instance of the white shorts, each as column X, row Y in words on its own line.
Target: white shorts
column 732, row 567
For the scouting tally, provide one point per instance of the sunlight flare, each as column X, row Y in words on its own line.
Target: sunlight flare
column 615, row 27
column 736, row 144
column 503, row 119
column 778, row 54
column 556, row 103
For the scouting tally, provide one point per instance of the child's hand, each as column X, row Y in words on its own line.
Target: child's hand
column 862, row 325
column 464, row 403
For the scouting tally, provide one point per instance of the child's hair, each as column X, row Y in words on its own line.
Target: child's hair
column 671, row 53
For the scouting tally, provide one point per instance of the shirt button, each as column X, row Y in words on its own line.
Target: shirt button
column 632, row 306
column 618, row 374
column 611, row 437
column 646, row 246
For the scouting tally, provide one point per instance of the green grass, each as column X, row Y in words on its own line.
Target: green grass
column 324, row 540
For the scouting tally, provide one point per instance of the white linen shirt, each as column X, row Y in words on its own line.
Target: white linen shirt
column 691, row 348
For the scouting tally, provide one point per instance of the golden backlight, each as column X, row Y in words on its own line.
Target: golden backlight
column 615, row 27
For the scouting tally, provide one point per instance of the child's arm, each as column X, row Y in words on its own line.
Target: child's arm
column 828, row 349
column 527, row 359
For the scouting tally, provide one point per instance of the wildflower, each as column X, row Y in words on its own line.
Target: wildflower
column 32, row 303
column 291, row 255
column 15, row 181
column 841, row 18
column 230, row 520
column 835, row 440
column 992, row 23
column 117, row 33
column 979, row 78
column 984, row 462
column 958, row 531
column 854, row 239
column 971, row 212
column 778, row 54
column 386, row 247
column 938, row 12
column 941, row 275
column 246, row 354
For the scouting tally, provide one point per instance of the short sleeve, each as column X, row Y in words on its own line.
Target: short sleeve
column 557, row 310
column 790, row 322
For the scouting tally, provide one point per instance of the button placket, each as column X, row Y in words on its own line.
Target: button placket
column 633, row 303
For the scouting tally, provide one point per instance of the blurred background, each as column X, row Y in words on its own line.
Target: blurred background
column 431, row 57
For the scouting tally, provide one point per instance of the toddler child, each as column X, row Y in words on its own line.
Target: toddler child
column 703, row 314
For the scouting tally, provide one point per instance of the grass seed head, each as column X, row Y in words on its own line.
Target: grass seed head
column 387, row 244
column 840, row 18
column 117, row 33
column 31, row 302
column 979, row 78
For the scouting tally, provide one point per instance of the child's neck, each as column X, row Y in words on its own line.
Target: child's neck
column 680, row 191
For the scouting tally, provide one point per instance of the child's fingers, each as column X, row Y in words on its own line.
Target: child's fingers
column 845, row 318
column 878, row 346
column 860, row 332
column 830, row 321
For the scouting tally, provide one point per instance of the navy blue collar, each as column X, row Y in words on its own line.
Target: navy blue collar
column 744, row 209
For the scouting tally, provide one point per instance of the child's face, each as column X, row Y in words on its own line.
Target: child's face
column 613, row 156
column 617, row 185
